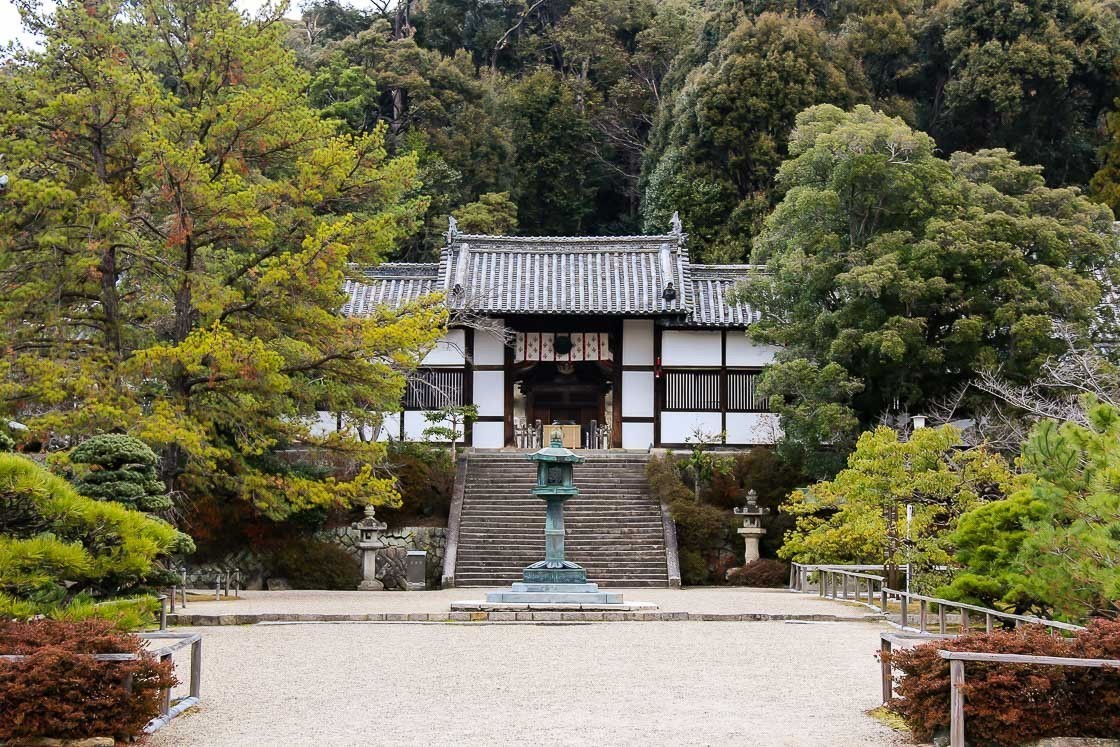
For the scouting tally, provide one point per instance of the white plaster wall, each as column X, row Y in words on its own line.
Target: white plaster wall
column 637, row 435
column 488, row 349
column 324, row 424
column 679, row 427
column 637, row 394
column 752, row 428
column 742, row 352
column 637, row 342
column 489, row 392
column 490, row 435
column 448, row 350
column 691, row 348
column 415, row 424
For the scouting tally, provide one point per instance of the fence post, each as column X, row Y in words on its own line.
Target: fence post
column 988, row 622
column 883, row 597
column 956, row 703
column 922, row 609
column 964, row 620
column 218, row 587
column 845, row 577
column 942, row 624
column 163, row 611
column 902, row 599
column 885, row 669
column 165, row 694
column 196, row 668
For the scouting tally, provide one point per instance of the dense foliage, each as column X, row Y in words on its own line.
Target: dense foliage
column 60, row 550
column 860, row 516
column 910, row 272
column 314, row 564
column 123, row 469
column 1009, row 704
column 764, row 573
column 59, row 691
column 174, row 239
column 1050, row 546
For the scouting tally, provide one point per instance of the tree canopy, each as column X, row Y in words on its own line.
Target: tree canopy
column 175, row 236
column 912, row 272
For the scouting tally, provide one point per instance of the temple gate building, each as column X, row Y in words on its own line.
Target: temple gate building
column 619, row 338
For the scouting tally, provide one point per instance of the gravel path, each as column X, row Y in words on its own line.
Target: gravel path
column 690, row 683
column 702, row 600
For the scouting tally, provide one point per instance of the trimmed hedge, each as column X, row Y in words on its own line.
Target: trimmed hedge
column 763, row 573
column 1012, row 704
column 60, row 691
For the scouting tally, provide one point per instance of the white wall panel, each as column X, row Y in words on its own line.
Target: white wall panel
column 489, row 392
column 415, row 424
column 679, row 427
column 490, row 435
column 488, row 349
column 637, row 435
column 324, row 424
column 691, row 348
column 637, row 342
column 751, row 428
column 448, row 350
column 637, row 394
column 742, row 352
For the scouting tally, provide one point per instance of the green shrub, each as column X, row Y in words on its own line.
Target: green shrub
column 425, row 481
column 122, row 469
column 315, row 564
column 703, row 531
column 56, row 545
column 59, row 691
column 7, row 443
column 763, row 573
column 1013, row 704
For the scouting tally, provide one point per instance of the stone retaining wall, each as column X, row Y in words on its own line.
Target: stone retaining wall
column 390, row 560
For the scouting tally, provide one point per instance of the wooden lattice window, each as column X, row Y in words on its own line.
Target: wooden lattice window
column 692, row 391
column 434, row 389
column 742, row 392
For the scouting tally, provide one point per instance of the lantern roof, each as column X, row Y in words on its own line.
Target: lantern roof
column 555, row 452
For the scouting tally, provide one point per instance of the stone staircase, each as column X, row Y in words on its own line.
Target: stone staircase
column 614, row 527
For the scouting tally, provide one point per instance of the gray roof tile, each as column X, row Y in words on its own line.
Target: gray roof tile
column 610, row 275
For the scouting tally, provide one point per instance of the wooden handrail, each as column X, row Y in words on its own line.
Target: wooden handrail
column 956, row 678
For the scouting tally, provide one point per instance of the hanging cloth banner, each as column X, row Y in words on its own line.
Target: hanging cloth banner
column 562, row 347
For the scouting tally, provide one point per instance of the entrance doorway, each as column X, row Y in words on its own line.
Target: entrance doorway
column 565, row 394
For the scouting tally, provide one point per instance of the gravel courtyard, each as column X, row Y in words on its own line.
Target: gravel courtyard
column 764, row 683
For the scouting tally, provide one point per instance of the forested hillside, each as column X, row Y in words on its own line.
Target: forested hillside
column 605, row 116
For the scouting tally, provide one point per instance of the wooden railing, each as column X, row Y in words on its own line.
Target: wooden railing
column 167, row 711
column 851, row 583
column 956, row 679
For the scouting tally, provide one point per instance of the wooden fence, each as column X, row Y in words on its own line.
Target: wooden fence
column 957, row 660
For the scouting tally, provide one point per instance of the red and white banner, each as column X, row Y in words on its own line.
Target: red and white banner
column 578, row 346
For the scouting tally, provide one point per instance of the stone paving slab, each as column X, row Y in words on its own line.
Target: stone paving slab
column 703, row 600
column 648, row 683
column 476, row 616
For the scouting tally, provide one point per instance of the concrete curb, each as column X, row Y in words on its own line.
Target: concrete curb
column 506, row 616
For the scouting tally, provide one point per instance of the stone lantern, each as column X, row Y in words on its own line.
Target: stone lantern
column 369, row 542
column 554, row 486
column 752, row 529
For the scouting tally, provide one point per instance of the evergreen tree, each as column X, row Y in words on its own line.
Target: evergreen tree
column 911, row 272
column 173, row 244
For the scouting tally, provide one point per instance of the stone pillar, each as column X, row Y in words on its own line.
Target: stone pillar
column 752, row 530
column 371, row 540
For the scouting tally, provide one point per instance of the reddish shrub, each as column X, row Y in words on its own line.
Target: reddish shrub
column 762, row 573
column 59, row 690
column 1011, row 704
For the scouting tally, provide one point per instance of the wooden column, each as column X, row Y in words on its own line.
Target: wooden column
column 468, row 382
column 616, row 389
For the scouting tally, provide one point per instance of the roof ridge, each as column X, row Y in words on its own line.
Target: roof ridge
column 461, row 237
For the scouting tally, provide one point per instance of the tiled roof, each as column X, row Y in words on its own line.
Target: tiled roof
column 389, row 284
column 712, row 286
column 612, row 275
column 534, row 275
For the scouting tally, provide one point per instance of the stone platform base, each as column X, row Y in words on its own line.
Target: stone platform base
column 551, row 594
column 541, row 606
